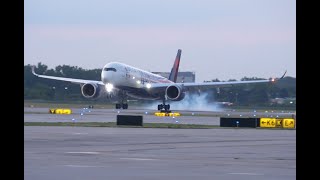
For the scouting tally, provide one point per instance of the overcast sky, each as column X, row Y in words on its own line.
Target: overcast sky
column 224, row 39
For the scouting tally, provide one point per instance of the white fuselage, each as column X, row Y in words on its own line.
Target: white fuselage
column 129, row 78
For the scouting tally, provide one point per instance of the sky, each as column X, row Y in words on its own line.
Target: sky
column 223, row 39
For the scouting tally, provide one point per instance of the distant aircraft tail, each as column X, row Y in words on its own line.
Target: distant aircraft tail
column 174, row 71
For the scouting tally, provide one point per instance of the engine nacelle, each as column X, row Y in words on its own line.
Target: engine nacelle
column 175, row 93
column 90, row 90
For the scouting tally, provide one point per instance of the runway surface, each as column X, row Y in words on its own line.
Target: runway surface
column 84, row 153
column 139, row 153
column 109, row 115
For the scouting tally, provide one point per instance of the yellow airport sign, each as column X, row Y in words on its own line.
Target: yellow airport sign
column 288, row 123
column 159, row 114
column 60, row 111
column 279, row 122
column 174, row 114
column 166, row 114
column 268, row 122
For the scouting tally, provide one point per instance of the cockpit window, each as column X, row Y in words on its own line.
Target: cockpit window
column 110, row 69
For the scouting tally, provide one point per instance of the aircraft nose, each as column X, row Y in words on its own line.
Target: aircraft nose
column 106, row 77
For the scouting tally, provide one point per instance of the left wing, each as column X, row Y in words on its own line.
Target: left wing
column 72, row 80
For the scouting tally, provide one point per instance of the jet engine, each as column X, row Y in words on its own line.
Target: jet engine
column 175, row 93
column 90, row 90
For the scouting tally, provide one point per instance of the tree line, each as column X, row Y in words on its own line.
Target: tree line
column 44, row 89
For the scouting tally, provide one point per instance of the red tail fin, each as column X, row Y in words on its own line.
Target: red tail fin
column 174, row 71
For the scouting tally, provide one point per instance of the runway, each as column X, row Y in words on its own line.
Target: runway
column 139, row 153
column 149, row 153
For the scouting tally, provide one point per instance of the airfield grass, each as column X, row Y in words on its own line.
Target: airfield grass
column 113, row 124
column 54, row 104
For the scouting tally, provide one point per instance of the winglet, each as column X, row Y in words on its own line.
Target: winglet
column 174, row 71
column 276, row 79
column 283, row 75
column 33, row 72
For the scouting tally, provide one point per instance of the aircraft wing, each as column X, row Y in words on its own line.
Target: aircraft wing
column 208, row 85
column 72, row 80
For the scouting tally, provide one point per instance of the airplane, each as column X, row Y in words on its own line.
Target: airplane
column 123, row 81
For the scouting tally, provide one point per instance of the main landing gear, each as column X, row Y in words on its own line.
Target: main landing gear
column 122, row 105
column 164, row 107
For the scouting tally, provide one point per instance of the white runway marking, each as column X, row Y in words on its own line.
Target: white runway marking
column 82, row 152
column 252, row 174
column 138, row 159
column 79, row 133
column 70, row 165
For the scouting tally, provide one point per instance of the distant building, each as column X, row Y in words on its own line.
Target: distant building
column 182, row 76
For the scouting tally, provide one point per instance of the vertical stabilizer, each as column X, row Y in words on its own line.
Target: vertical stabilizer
column 174, row 71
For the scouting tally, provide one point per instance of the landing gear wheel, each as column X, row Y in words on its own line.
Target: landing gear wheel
column 166, row 107
column 124, row 106
column 118, row 106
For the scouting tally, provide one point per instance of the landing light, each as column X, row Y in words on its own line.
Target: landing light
column 148, row 85
column 109, row 87
column 139, row 82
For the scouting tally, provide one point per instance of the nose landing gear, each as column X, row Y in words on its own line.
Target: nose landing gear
column 123, row 100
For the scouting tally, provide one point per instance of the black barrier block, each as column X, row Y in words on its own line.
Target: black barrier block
column 258, row 122
column 129, row 120
column 239, row 122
